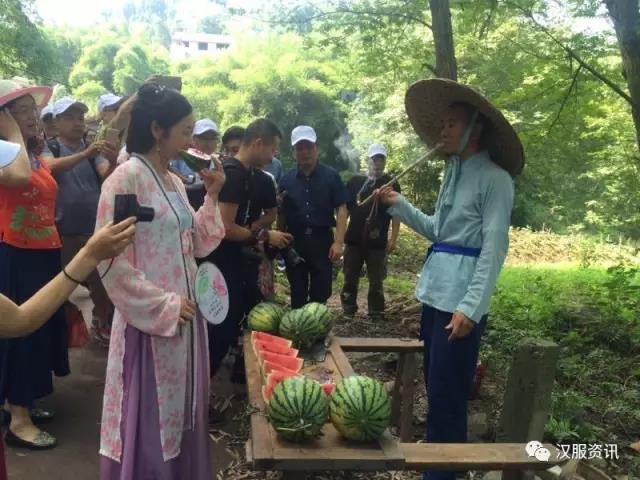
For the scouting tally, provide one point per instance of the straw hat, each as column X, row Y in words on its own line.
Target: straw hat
column 427, row 101
column 17, row 87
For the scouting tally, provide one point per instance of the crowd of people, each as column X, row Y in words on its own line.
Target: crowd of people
column 241, row 213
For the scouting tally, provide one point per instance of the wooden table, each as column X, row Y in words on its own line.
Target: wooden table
column 329, row 452
column 265, row 451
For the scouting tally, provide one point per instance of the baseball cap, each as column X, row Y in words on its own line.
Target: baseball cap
column 108, row 100
column 65, row 103
column 376, row 149
column 46, row 111
column 8, row 152
column 205, row 125
column 303, row 132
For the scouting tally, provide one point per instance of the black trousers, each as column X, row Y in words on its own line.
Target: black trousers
column 242, row 284
column 354, row 258
column 311, row 280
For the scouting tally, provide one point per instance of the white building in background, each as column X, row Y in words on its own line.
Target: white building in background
column 192, row 45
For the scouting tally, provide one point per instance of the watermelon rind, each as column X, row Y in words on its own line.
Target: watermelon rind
column 298, row 409
column 360, row 408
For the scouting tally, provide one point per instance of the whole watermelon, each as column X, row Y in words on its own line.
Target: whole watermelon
column 301, row 328
column 265, row 317
column 298, row 409
column 360, row 408
column 321, row 313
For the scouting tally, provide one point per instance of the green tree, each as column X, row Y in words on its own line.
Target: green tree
column 25, row 49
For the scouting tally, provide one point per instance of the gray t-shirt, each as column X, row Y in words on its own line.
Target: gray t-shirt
column 78, row 194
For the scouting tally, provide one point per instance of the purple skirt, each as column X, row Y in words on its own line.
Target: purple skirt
column 140, row 427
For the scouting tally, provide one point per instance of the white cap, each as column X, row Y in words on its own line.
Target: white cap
column 107, row 100
column 205, row 125
column 46, row 110
column 303, row 132
column 65, row 103
column 8, row 152
column 376, row 149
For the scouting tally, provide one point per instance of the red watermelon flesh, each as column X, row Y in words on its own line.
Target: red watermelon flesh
column 276, row 376
column 328, row 388
column 267, row 390
column 271, row 339
column 291, row 363
column 266, row 346
column 268, row 367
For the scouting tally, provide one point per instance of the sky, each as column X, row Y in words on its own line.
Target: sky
column 85, row 13
column 88, row 12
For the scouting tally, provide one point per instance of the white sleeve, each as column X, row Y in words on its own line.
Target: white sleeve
column 8, row 153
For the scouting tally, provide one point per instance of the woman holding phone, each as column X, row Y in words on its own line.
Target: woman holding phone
column 154, row 419
column 29, row 258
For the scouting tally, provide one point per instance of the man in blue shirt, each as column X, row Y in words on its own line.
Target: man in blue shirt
column 313, row 196
column 470, row 235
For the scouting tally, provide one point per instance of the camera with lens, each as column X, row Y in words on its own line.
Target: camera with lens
column 126, row 205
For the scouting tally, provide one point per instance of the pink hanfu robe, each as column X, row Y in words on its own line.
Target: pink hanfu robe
column 156, row 392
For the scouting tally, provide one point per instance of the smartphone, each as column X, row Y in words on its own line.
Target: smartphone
column 113, row 137
column 169, row 81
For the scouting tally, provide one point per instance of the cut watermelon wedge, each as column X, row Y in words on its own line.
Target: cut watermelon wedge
column 276, row 376
column 267, row 390
column 291, row 363
column 266, row 346
column 272, row 339
column 268, row 367
column 328, row 388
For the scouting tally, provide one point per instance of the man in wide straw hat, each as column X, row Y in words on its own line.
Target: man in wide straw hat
column 470, row 235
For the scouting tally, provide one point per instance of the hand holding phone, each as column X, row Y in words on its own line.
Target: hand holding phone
column 113, row 137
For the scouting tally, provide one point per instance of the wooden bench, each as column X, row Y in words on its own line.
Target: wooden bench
column 403, row 387
column 473, row 456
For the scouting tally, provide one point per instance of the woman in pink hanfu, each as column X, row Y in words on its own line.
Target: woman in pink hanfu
column 154, row 417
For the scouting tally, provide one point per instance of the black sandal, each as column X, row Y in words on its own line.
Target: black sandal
column 43, row 441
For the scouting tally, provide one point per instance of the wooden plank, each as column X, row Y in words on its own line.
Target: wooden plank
column 332, row 452
column 408, row 390
column 474, row 456
column 248, row 452
column 363, row 344
column 341, row 360
column 261, row 432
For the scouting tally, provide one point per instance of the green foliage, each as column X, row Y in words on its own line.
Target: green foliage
column 587, row 311
column 286, row 83
column 25, row 49
column 88, row 93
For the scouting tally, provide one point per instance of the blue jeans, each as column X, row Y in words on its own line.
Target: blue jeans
column 448, row 375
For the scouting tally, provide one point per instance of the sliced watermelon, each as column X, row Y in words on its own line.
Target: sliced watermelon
column 276, row 376
column 268, row 367
column 328, row 388
column 265, row 346
column 291, row 363
column 267, row 390
column 268, row 338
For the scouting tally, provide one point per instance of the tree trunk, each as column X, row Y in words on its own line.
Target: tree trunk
column 443, row 39
column 626, row 21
